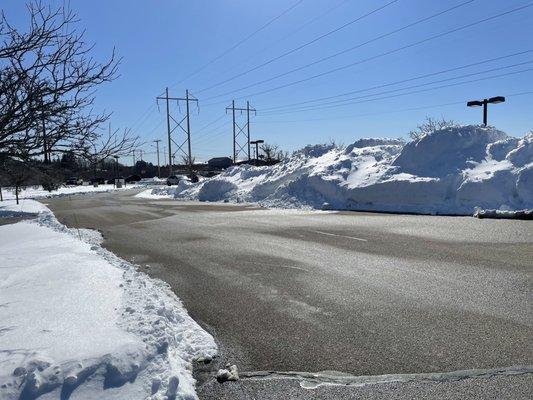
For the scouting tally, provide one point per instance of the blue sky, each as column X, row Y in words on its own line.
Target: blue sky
column 163, row 42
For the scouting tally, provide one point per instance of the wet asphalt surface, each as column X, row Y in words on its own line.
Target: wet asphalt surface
column 359, row 293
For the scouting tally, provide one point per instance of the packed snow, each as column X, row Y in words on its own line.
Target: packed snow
column 455, row 170
column 77, row 322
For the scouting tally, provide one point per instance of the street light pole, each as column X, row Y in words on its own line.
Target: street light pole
column 116, row 171
column 257, row 142
column 158, row 166
column 485, row 103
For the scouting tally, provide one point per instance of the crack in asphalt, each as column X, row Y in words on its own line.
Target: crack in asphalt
column 309, row 380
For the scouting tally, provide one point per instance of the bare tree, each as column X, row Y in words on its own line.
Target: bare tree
column 15, row 174
column 270, row 150
column 96, row 147
column 430, row 125
column 189, row 162
column 47, row 84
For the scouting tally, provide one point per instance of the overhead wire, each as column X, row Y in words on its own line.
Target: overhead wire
column 412, row 92
column 240, row 42
column 485, row 61
column 382, row 112
column 389, row 52
column 298, row 48
column 338, row 102
column 252, row 56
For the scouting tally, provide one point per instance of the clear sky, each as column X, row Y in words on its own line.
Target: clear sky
column 163, row 43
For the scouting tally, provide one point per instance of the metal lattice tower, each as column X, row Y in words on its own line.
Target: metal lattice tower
column 241, row 134
column 185, row 146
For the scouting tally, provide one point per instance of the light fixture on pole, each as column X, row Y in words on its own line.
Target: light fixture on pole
column 257, row 143
column 484, row 103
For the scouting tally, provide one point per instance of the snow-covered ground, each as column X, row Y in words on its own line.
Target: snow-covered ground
column 77, row 322
column 37, row 192
column 452, row 171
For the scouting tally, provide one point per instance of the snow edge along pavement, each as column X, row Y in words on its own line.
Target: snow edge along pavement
column 150, row 311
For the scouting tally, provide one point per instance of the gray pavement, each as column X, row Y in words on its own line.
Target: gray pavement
column 359, row 293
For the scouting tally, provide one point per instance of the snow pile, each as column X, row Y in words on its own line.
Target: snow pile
column 155, row 181
column 76, row 319
column 450, row 171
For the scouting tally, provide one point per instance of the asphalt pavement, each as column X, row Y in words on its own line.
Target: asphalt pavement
column 357, row 293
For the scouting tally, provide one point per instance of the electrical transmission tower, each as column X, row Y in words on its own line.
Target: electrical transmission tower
column 178, row 124
column 241, row 133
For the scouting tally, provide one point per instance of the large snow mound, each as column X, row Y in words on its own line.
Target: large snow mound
column 78, row 322
column 454, row 170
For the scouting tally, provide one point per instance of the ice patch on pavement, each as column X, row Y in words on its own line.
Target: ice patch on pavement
column 313, row 380
column 78, row 322
column 451, row 171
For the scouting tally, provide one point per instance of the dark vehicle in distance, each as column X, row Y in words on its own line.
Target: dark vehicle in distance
column 174, row 179
column 111, row 181
column 100, row 181
column 72, row 181
column 133, row 178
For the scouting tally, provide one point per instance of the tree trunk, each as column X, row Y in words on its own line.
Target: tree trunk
column 1, row 196
column 17, row 193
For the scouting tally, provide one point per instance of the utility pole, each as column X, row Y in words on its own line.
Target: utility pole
column 188, row 127
column 116, row 171
column 234, row 136
column 485, row 103
column 133, row 155
column 141, row 151
column 178, row 124
column 248, row 126
column 238, row 131
column 158, row 167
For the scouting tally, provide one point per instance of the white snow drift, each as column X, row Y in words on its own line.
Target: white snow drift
column 77, row 322
column 451, row 171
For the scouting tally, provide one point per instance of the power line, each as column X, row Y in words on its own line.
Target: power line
column 211, row 123
column 203, row 135
column 302, row 46
column 291, row 33
column 337, row 102
column 412, row 92
column 422, row 20
column 379, row 55
column 215, row 132
column 462, row 102
column 352, row 116
column 400, row 81
column 239, row 42
column 261, row 51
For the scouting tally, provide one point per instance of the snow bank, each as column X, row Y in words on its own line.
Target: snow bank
column 37, row 192
column 77, row 320
column 450, row 171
